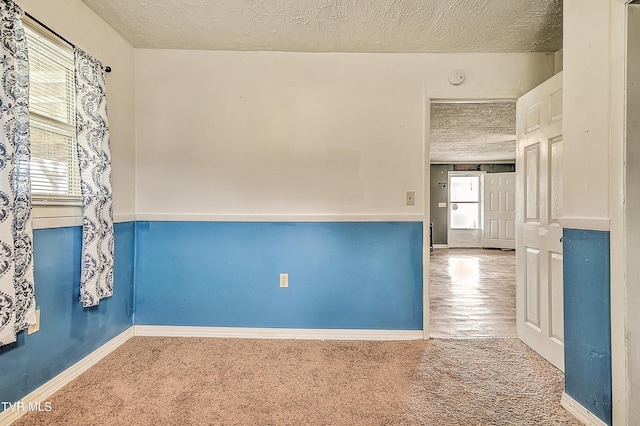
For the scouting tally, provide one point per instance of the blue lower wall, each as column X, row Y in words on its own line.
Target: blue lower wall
column 68, row 332
column 587, row 321
column 341, row 275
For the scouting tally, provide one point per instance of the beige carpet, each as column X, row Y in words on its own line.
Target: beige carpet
column 195, row 381
column 487, row 382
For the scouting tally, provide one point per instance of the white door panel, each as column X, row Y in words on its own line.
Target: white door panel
column 532, row 287
column 500, row 210
column 557, row 298
column 555, row 179
column 539, row 287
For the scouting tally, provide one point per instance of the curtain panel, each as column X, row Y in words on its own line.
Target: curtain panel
column 17, row 292
column 96, row 280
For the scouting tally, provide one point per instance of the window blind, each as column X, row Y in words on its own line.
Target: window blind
column 54, row 169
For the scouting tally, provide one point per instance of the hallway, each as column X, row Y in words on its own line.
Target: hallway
column 473, row 293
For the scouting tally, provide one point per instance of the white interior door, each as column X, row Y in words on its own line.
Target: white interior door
column 465, row 209
column 499, row 210
column 539, row 288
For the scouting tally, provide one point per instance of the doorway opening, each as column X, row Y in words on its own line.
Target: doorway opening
column 473, row 149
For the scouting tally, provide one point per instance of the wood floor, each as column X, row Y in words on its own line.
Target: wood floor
column 473, row 293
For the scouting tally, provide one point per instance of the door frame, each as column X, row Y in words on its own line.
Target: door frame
column 620, row 240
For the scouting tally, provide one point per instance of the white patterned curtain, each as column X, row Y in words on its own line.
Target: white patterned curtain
column 17, row 292
column 96, row 280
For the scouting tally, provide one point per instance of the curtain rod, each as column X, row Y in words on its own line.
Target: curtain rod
column 106, row 68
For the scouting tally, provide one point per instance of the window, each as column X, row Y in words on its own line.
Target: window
column 465, row 202
column 55, row 176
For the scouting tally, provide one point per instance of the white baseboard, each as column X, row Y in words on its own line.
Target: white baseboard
column 585, row 223
column 440, row 246
column 120, row 218
column 41, row 394
column 276, row 333
column 67, row 221
column 579, row 412
column 288, row 217
column 56, row 222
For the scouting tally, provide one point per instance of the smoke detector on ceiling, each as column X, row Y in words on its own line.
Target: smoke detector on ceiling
column 456, row 77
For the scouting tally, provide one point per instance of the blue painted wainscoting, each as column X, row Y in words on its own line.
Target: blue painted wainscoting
column 342, row 275
column 587, row 323
column 68, row 333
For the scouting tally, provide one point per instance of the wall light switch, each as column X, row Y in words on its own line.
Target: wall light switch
column 442, row 204
column 410, row 198
column 284, row 280
column 35, row 327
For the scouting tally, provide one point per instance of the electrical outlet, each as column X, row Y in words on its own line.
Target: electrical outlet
column 284, row 280
column 410, row 198
column 35, row 327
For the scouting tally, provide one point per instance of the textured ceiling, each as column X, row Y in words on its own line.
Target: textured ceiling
column 473, row 132
column 338, row 25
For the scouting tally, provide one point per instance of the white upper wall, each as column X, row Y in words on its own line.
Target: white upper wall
column 269, row 133
column 272, row 133
column 586, row 122
column 81, row 26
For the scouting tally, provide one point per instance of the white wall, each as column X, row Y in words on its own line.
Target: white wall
column 586, row 122
column 270, row 133
column 77, row 23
